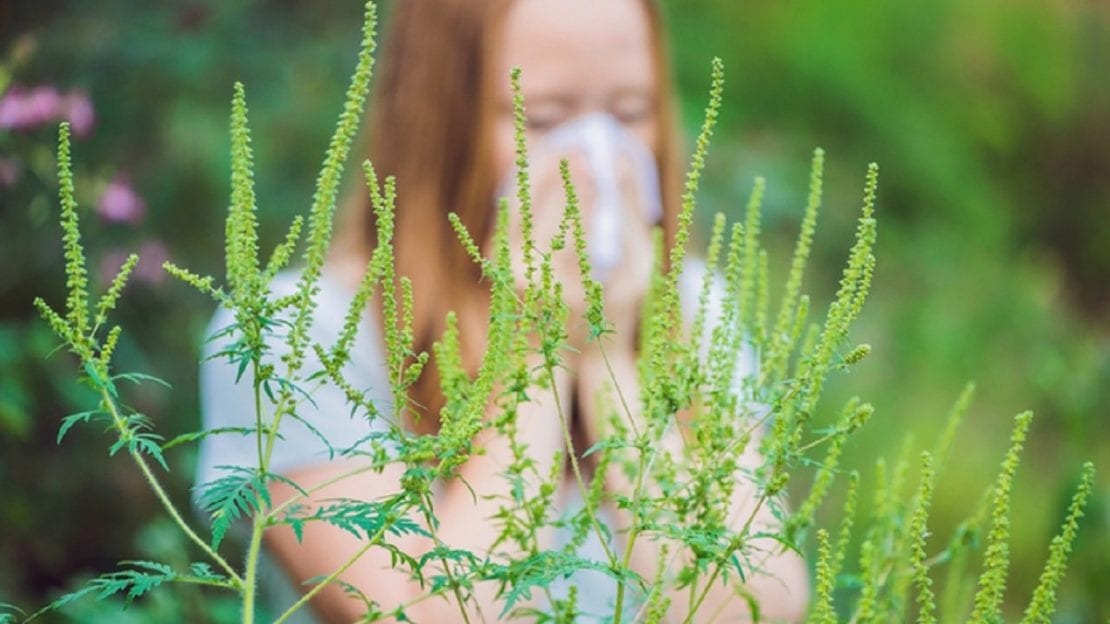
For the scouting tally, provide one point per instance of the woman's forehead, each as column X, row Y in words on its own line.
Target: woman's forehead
column 576, row 48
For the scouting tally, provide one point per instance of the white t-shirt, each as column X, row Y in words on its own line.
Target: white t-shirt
column 225, row 403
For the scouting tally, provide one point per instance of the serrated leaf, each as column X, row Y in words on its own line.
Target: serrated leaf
column 607, row 444
column 230, row 497
column 316, row 432
column 149, row 444
column 202, row 570
column 8, row 613
column 223, row 331
column 365, row 519
column 142, row 578
column 138, row 378
column 297, row 524
column 242, row 368
column 540, row 570
column 73, row 419
column 287, row 481
column 286, row 384
column 196, row 436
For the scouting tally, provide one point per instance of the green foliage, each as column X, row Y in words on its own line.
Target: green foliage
column 918, row 534
column 1044, row 597
column 230, row 497
column 686, row 444
column 991, row 116
column 992, row 582
column 9, row 613
column 823, row 611
column 135, row 580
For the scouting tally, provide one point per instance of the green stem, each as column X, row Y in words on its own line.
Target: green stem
column 309, row 491
column 258, row 522
column 693, row 590
column 197, row 580
column 533, row 534
column 582, row 489
column 160, row 493
column 271, row 433
column 310, row 594
column 633, row 534
column 401, row 608
column 258, row 417
column 620, row 393
column 429, row 517
column 251, row 573
column 733, row 545
column 637, row 490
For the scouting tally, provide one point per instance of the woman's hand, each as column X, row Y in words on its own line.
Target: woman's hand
column 781, row 586
column 625, row 284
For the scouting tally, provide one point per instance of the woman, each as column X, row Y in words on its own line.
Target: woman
column 442, row 124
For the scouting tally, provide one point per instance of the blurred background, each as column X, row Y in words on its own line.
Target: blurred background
column 990, row 120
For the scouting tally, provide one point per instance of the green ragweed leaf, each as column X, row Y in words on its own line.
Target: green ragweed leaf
column 230, row 497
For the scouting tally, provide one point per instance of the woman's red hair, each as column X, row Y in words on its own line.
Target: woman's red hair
column 430, row 125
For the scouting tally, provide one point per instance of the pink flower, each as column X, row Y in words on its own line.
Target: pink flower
column 78, row 109
column 120, row 203
column 21, row 109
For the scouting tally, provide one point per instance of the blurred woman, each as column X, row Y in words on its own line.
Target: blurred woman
column 595, row 80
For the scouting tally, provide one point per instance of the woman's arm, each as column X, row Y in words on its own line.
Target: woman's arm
column 465, row 523
column 782, row 591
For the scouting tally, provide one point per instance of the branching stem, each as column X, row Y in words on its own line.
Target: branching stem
column 310, row 594
column 160, row 492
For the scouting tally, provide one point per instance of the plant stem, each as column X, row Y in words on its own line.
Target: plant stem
column 251, row 574
column 310, row 594
column 617, row 387
column 258, row 522
column 590, row 511
column 258, row 416
column 197, row 580
column 160, row 493
column 446, row 566
column 405, row 605
column 637, row 489
column 309, row 491
column 736, row 541
column 633, row 534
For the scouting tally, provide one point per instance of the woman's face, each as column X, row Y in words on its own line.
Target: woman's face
column 576, row 57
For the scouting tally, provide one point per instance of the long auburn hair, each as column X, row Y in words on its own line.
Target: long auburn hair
column 430, row 125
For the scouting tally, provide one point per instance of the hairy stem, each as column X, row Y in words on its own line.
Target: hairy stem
column 251, row 573
column 310, row 594
column 258, row 416
column 582, row 489
column 309, row 491
column 160, row 493
column 736, row 542
column 429, row 516
column 637, row 490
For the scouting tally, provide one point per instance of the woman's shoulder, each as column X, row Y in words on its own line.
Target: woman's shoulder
column 332, row 299
column 227, row 401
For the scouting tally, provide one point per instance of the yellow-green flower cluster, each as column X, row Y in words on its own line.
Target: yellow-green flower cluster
column 1043, row 603
column 992, row 581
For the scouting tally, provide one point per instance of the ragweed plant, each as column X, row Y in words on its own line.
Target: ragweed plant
column 702, row 453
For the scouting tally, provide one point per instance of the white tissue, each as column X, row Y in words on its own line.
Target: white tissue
column 602, row 141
